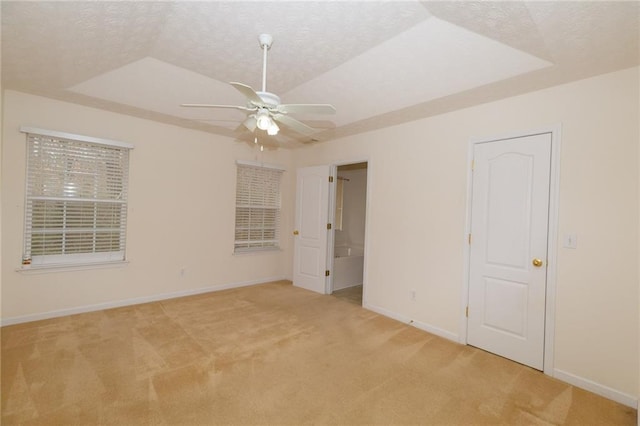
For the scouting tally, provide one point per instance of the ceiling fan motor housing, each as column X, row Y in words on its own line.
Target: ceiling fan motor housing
column 271, row 100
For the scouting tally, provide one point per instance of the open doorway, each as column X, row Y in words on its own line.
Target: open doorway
column 349, row 238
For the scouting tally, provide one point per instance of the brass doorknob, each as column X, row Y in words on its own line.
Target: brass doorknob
column 537, row 262
column 295, row 232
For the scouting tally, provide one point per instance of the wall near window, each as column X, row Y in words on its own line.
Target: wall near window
column 181, row 212
column 416, row 218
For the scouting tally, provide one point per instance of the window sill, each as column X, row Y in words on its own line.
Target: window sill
column 44, row 269
column 256, row 251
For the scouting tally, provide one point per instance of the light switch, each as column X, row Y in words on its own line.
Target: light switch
column 570, row 241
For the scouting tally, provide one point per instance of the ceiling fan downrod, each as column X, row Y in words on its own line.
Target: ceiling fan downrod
column 266, row 40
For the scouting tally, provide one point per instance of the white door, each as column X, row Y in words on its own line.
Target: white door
column 310, row 235
column 508, row 257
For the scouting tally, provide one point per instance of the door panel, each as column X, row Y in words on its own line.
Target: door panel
column 509, row 227
column 310, row 244
column 506, row 303
column 508, row 210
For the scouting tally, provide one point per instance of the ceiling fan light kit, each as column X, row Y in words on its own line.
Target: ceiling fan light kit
column 262, row 119
column 273, row 129
column 264, row 107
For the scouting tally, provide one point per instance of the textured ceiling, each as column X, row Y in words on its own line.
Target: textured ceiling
column 380, row 63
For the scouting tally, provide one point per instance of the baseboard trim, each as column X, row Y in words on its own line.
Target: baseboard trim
column 134, row 301
column 436, row 330
column 417, row 324
column 597, row 388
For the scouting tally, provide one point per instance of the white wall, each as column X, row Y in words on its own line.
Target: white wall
column 181, row 213
column 416, row 218
column 1, row 175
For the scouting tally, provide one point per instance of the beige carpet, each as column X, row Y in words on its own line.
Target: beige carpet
column 269, row 354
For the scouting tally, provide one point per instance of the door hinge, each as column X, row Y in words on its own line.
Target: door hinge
column 469, row 239
column 466, row 312
column 473, row 164
column 326, row 273
column 328, row 226
column 330, row 179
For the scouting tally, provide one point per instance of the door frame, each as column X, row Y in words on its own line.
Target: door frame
column 552, row 237
column 332, row 217
column 331, row 238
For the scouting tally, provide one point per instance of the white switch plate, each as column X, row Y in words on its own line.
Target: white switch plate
column 570, row 241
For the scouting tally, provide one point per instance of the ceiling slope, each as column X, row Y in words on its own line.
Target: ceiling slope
column 380, row 63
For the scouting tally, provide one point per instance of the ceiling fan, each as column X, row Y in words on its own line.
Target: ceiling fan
column 265, row 109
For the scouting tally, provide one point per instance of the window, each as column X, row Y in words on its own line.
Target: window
column 257, row 208
column 76, row 199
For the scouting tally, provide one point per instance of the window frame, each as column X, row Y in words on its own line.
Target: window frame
column 272, row 206
column 117, row 207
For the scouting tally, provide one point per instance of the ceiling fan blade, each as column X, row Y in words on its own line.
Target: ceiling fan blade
column 294, row 124
column 307, row 108
column 248, row 92
column 217, row 106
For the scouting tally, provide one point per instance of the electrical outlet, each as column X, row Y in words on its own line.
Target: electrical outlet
column 412, row 294
column 183, row 272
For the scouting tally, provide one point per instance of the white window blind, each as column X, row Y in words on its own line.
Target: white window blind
column 76, row 201
column 257, row 208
